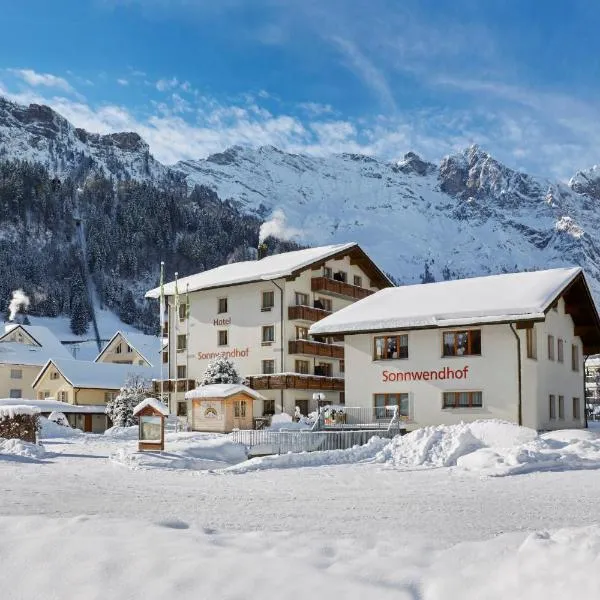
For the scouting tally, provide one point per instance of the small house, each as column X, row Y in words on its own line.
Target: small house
column 221, row 407
column 126, row 348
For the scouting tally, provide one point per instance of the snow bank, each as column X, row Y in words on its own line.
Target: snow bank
column 311, row 459
column 282, row 421
column 15, row 410
column 22, row 449
column 207, row 563
column 123, row 433
column 50, row 430
column 444, row 445
column 196, row 452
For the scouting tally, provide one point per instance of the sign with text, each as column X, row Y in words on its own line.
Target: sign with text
column 233, row 353
column 430, row 375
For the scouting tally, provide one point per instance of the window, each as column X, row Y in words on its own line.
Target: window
column 574, row 357
column 222, row 337
column 268, row 407
column 323, row 304
column 342, row 367
column 358, row 280
column 327, row 272
column 268, row 367
column 341, row 276
column 268, row 334
column 302, row 366
column 531, row 341
column 239, row 409
column 576, row 409
column 182, row 409
column 462, row 400
column 63, row 396
column 222, row 305
column 301, row 333
column 128, row 350
column 165, row 357
column 16, row 374
column 183, row 311
column 302, row 299
column 302, row 406
column 552, row 407
column 561, row 407
column 560, row 352
column 43, row 394
column 268, row 301
column 324, row 369
column 16, row 394
column 342, row 398
column 119, row 349
column 54, row 375
column 385, row 404
column 550, row 347
column 391, row 347
column 110, row 396
column 181, row 342
column 462, row 343
column 181, row 372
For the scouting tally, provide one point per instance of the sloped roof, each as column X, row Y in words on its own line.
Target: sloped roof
column 148, row 346
column 104, row 376
column 222, row 390
column 49, row 405
column 27, row 354
column 276, row 266
column 157, row 405
column 493, row 299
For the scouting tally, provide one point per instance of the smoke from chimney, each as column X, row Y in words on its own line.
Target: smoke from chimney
column 19, row 300
column 277, row 227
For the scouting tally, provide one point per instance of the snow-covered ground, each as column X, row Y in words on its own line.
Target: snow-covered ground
column 90, row 518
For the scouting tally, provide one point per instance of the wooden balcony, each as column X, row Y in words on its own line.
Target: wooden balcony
column 295, row 382
column 173, row 385
column 306, row 313
column 338, row 288
column 315, row 348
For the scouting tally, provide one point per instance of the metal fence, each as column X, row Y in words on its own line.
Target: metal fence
column 263, row 442
column 357, row 417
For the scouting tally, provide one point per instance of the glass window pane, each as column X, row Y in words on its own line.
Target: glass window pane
column 475, row 341
column 404, row 406
column 379, row 342
column 463, row 399
column 392, row 347
column 403, row 352
column 477, row 399
column 462, row 339
column 448, row 344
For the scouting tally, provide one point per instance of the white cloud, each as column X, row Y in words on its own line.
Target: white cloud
column 35, row 79
column 122, row 81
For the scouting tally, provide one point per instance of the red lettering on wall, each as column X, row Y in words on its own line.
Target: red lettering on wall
column 430, row 375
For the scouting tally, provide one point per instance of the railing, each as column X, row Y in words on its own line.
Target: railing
column 339, row 288
column 306, row 313
column 173, row 385
column 283, row 381
column 315, row 348
column 358, row 417
column 263, row 442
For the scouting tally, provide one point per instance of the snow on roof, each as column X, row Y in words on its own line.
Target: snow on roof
column 270, row 267
column 18, row 353
column 157, row 405
column 493, row 299
column 49, row 405
column 104, row 376
column 222, row 390
column 149, row 346
column 13, row 410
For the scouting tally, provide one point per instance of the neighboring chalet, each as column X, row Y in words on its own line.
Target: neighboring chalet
column 24, row 350
column 127, row 348
column 508, row 346
column 257, row 313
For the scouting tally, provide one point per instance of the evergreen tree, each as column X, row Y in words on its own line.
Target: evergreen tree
column 220, row 370
column 120, row 410
column 80, row 318
column 128, row 312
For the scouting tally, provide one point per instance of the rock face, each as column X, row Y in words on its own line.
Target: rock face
column 468, row 215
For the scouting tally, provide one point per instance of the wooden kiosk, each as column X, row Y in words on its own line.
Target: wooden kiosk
column 221, row 407
column 151, row 414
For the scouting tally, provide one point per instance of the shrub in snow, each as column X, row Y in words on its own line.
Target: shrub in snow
column 120, row 410
column 19, row 422
column 58, row 418
column 220, row 370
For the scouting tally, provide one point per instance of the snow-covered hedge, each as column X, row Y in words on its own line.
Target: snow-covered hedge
column 19, row 422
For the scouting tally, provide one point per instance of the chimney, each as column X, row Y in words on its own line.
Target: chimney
column 262, row 251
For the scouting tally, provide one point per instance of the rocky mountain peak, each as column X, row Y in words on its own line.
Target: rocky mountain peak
column 413, row 163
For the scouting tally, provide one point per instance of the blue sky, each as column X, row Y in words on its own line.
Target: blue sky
column 518, row 77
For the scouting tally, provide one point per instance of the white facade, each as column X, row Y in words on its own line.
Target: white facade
column 233, row 321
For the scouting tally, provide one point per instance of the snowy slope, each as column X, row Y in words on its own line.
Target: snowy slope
column 469, row 215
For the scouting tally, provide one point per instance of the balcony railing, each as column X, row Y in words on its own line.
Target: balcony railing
column 306, row 313
column 339, row 288
column 315, row 348
column 173, row 385
column 283, row 381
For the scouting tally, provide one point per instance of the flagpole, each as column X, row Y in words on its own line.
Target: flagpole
column 176, row 336
column 162, row 328
column 187, row 335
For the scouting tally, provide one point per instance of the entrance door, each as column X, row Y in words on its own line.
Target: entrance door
column 87, row 424
column 303, row 406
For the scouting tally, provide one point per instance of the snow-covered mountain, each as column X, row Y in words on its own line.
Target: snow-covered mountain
column 37, row 133
column 469, row 215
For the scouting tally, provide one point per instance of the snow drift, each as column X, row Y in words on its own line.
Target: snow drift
column 20, row 449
